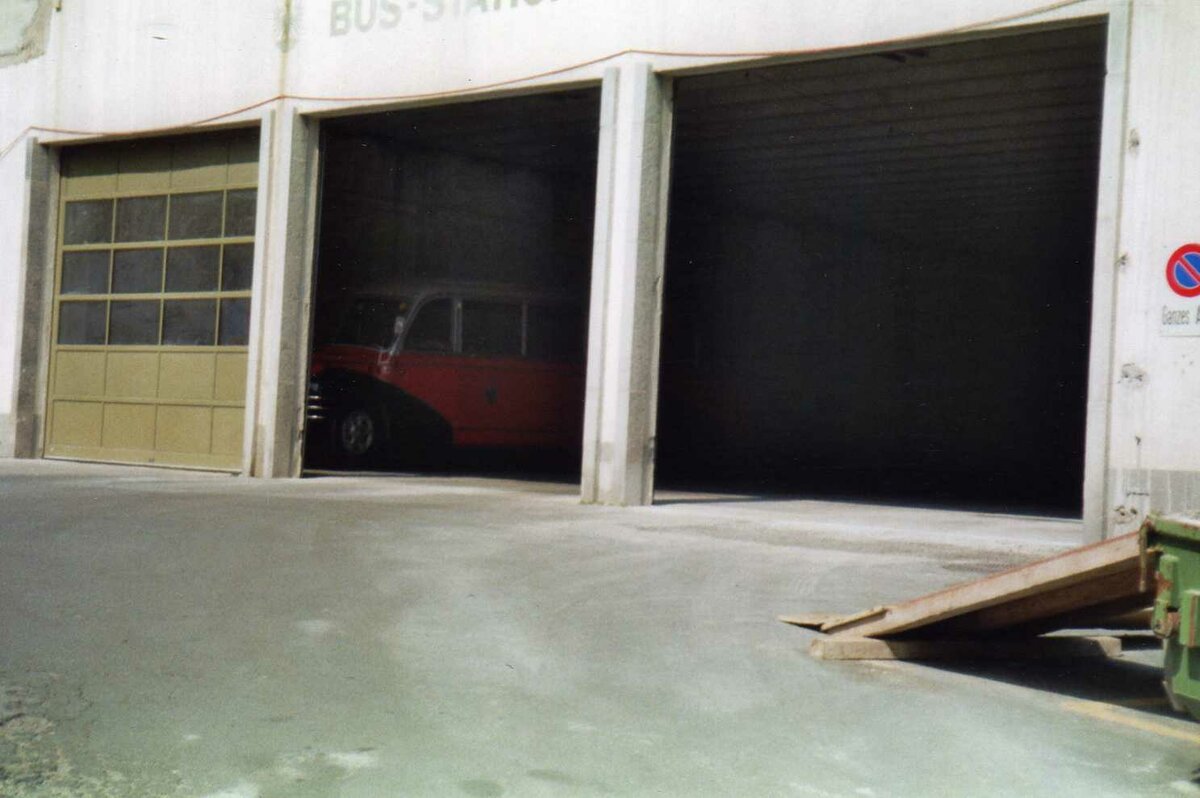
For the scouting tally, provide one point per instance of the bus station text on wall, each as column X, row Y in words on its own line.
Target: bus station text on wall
column 346, row 16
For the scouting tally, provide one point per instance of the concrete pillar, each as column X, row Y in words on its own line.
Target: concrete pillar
column 36, row 298
column 276, row 378
column 1097, row 494
column 626, row 303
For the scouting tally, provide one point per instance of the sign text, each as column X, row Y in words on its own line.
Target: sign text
column 363, row 16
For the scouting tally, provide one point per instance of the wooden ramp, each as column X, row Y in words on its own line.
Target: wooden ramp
column 1097, row 586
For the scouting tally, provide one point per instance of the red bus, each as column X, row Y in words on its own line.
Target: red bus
column 406, row 378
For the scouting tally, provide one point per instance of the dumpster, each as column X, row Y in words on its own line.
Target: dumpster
column 1170, row 547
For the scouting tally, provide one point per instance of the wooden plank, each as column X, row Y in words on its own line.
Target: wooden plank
column 844, row 647
column 1096, row 617
column 856, row 618
column 1053, row 602
column 811, row 620
column 1138, row 620
column 1070, row 568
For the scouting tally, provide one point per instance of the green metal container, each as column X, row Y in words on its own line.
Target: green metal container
column 1171, row 557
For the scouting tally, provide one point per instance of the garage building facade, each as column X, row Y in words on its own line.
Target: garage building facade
column 972, row 219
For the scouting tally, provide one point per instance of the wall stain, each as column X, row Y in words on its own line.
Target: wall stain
column 29, row 42
column 287, row 23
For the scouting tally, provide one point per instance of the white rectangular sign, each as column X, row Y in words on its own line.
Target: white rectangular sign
column 1179, row 318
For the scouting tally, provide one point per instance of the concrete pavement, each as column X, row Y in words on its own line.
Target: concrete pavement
column 179, row 634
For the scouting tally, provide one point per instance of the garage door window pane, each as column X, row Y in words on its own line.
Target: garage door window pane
column 239, row 212
column 491, row 328
column 189, row 322
column 238, row 268
column 196, row 215
column 137, row 271
column 431, row 330
column 141, row 218
column 192, row 269
column 81, row 322
column 133, row 322
column 88, row 222
column 85, row 272
column 235, row 322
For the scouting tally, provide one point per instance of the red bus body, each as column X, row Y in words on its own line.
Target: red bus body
column 456, row 398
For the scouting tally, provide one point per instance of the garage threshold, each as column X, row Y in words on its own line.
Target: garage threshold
column 783, row 519
column 787, row 516
column 870, row 521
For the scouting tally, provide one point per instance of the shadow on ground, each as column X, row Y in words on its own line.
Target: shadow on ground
column 1133, row 681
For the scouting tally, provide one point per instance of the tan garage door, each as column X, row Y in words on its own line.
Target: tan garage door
column 152, row 301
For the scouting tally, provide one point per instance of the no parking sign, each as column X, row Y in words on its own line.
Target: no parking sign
column 1180, row 314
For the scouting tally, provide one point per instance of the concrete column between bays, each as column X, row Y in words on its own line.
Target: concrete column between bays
column 36, row 297
column 626, row 299
column 276, row 376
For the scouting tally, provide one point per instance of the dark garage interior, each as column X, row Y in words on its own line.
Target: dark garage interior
column 879, row 273
column 453, row 268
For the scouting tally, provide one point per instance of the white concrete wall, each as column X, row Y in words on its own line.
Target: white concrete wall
column 125, row 66
column 130, row 65
column 1155, row 437
column 24, row 85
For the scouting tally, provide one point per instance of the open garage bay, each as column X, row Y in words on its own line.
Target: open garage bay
column 452, row 286
column 879, row 274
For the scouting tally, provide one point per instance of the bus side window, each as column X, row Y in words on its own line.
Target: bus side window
column 367, row 322
column 491, row 328
column 556, row 333
column 432, row 330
